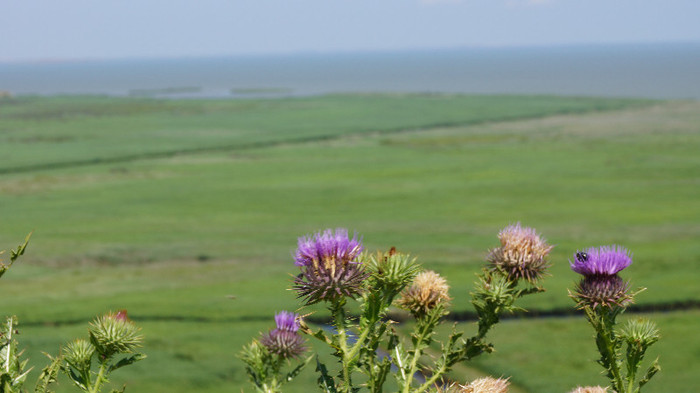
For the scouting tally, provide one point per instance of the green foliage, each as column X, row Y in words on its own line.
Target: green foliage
column 624, row 175
column 110, row 335
column 14, row 254
column 427, row 300
column 264, row 368
column 638, row 335
column 13, row 371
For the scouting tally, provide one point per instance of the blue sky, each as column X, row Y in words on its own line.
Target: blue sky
column 79, row 29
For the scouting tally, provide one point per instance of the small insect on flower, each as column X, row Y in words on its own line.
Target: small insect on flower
column 581, row 256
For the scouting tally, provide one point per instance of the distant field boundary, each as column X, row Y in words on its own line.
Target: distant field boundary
column 296, row 141
column 455, row 316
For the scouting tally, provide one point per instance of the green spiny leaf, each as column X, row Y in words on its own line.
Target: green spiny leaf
column 325, row 381
column 292, row 374
column 653, row 369
column 127, row 361
column 48, row 374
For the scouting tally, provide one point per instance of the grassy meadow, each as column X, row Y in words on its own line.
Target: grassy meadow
column 186, row 213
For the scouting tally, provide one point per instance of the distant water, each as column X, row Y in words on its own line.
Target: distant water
column 649, row 70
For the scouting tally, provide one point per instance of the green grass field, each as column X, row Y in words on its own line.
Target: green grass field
column 166, row 208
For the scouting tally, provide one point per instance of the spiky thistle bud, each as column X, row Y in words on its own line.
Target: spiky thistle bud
column 590, row 389
column 522, row 254
column 284, row 341
column 427, row 291
column 329, row 267
column 113, row 333
column 640, row 332
column 487, row 385
column 390, row 271
column 79, row 353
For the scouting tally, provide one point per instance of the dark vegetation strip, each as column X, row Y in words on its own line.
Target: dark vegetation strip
column 267, row 144
column 455, row 316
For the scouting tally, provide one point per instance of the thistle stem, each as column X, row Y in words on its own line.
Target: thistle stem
column 95, row 388
column 430, row 381
column 358, row 344
column 417, row 352
column 604, row 328
column 340, row 325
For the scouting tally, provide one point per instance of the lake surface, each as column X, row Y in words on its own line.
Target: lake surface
column 648, row 70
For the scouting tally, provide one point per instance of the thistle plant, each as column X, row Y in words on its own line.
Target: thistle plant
column 265, row 357
column 13, row 369
column 110, row 336
column 604, row 295
column 334, row 271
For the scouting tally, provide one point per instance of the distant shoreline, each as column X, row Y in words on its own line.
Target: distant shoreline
column 657, row 71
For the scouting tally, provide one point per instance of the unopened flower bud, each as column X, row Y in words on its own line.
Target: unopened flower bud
column 79, row 353
column 640, row 332
column 113, row 333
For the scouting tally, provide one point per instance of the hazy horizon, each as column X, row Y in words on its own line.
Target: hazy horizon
column 632, row 70
column 333, row 52
column 36, row 30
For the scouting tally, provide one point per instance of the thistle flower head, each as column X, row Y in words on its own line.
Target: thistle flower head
column 113, row 333
column 284, row 341
column 79, row 353
column 427, row 291
column 603, row 291
column 522, row 254
column 605, row 260
column 329, row 266
column 487, row 385
column 590, row 389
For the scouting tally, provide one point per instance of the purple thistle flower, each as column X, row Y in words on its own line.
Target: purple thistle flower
column 605, row 260
column 329, row 266
column 284, row 341
column 287, row 321
column 327, row 247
